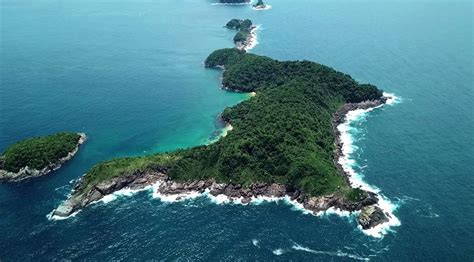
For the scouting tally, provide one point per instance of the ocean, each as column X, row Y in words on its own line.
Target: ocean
column 130, row 75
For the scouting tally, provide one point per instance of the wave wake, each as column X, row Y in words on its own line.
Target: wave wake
column 339, row 253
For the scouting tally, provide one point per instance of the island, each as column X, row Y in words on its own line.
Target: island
column 38, row 156
column 260, row 5
column 246, row 32
column 284, row 143
column 234, row 1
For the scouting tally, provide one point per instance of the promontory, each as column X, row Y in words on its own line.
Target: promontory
column 38, row 156
column 284, row 142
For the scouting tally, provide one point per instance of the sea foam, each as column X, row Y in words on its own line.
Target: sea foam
column 356, row 179
column 339, row 253
column 254, row 39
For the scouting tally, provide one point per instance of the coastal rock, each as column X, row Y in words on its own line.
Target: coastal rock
column 64, row 209
column 80, row 199
column 371, row 216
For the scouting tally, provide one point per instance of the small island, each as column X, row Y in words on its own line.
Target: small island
column 38, row 156
column 246, row 32
column 260, row 5
column 284, row 143
column 234, row 1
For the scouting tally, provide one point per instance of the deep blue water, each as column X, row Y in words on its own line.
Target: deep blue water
column 130, row 75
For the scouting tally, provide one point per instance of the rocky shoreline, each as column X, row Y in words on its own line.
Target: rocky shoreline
column 339, row 118
column 26, row 172
column 162, row 183
column 249, row 43
column 370, row 214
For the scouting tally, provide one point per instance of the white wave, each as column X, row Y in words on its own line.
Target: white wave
column 125, row 192
column 335, row 211
column 267, row 7
column 248, row 3
column 278, row 252
column 52, row 217
column 339, row 253
column 223, row 132
column 392, row 99
column 176, row 197
column 254, row 39
column 255, row 242
column 356, row 179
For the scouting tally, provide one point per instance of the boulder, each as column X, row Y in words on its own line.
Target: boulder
column 371, row 216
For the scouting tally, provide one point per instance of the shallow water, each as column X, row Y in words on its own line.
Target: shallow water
column 130, row 75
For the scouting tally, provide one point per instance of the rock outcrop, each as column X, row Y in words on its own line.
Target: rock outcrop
column 371, row 216
column 83, row 194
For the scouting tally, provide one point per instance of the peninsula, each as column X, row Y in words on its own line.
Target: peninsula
column 246, row 32
column 38, row 156
column 284, row 142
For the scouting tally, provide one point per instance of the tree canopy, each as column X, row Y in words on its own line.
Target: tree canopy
column 39, row 152
column 284, row 134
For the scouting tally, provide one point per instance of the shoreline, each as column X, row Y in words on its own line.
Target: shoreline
column 370, row 208
column 26, row 172
column 172, row 191
column 265, row 7
column 371, row 217
column 341, row 126
column 167, row 190
column 250, row 42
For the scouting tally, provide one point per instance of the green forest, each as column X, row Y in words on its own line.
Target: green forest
column 283, row 134
column 243, row 26
column 38, row 152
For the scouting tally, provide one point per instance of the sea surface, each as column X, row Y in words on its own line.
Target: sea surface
column 130, row 75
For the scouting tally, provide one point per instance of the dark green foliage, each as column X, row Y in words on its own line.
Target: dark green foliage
column 244, row 27
column 356, row 194
column 283, row 134
column 238, row 24
column 223, row 57
column 249, row 72
column 39, row 152
column 259, row 3
column 241, row 36
column 129, row 165
column 233, row 24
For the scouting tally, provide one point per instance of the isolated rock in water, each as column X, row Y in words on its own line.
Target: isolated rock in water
column 234, row 1
column 371, row 216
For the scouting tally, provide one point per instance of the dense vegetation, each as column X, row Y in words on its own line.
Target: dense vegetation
column 38, row 152
column 259, row 4
column 244, row 27
column 239, row 24
column 129, row 165
column 284, row 134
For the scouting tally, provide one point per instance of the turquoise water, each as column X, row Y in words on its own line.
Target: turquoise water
column 130, row 75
